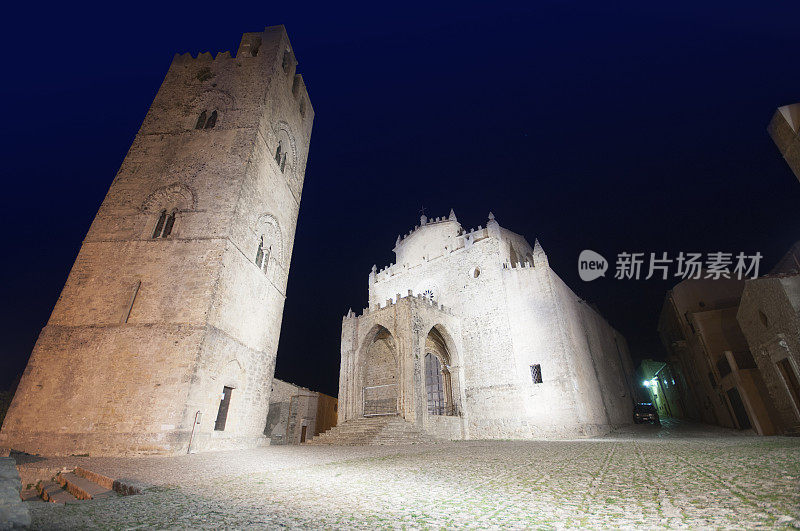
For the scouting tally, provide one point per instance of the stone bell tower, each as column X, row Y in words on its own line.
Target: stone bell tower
column 166, row 331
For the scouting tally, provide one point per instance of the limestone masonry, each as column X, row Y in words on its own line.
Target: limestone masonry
column 472, row 335
column 297, row 414
column 784, row 128
column 166, row 331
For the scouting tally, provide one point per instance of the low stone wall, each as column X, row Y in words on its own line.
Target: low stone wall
column 13, row 514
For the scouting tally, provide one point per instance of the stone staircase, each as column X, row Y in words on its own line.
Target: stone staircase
column 79, row 485
column 387, row 430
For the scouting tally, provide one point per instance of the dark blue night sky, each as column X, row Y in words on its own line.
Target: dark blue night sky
column 625, row 127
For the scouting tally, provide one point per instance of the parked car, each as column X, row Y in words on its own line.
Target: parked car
column 645, row 412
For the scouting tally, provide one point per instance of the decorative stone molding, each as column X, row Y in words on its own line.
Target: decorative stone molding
column 175, row 196
column 268, row 227
column 210, row 100
column 282, row 131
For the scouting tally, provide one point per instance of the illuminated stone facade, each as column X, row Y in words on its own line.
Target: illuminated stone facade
column 784, row 128
column 471, row 335
column 171, row 315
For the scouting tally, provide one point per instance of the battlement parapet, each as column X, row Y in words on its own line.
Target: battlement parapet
column 409, row 298
column 205, row 57
column 273, row 39
column 426, row 222
column 480, row 230
column 518, row 265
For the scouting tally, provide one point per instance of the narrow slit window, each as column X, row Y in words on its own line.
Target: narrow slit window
column 201, row 121
column 536, row 373
column 283, row 163
column 160, row 225
column 260, row 252
column 129, row 308
column 212, row 120
column 168, row 225
column 222, row 413
column 267, row 254
column 278, row 153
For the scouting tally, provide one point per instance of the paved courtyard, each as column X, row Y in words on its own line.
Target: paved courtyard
column 678, row 476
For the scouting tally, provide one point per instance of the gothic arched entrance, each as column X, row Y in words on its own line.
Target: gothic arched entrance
column 438, row 378
column 380, row 390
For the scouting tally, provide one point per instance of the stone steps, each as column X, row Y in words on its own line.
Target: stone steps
column 125, row 487
column 103, row 481
column 82, row 488
column 51, row 491
column 389, row 430
column 80, row 485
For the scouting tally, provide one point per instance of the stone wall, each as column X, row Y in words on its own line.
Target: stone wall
column 784, row 128
column 13, row 513
column 699, row 328
column 149, row 330
column 292, row 408
column 769, row 315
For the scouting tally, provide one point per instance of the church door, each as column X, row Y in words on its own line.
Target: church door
column 434, row 385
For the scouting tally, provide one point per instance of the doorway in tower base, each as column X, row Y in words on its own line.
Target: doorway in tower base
column 379, row 391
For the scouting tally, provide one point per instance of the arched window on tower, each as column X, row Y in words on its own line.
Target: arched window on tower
column 160, row 224
column 263, row 254
column 201, row 121
column 267, row 253
column 212, row 120
column 164, row 224
column 278, row 153
column 260, row 253
column 168, row 225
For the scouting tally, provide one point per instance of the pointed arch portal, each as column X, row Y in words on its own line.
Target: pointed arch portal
column 438, row 381
column 379, row 390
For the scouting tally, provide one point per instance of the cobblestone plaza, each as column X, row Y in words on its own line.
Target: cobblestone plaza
column 678, row 476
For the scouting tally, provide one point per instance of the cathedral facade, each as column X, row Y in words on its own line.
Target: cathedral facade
column 471, row 335
column 165, row 335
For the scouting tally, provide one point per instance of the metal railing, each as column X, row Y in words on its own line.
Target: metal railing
column 379, row 400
